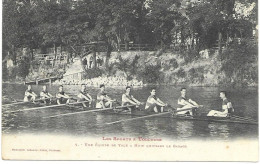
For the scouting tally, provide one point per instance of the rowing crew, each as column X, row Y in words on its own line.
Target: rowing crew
column 61, row 96
column 153, row 103
column 186, row 103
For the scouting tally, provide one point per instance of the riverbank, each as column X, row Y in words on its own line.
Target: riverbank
column 112, row 81
column 140, row 68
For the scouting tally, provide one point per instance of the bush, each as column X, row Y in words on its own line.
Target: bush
column 174, row 63
column 151, row 73
column 4, row 72
column 237, row 63
column 23, row 68
column 190, row 55
column 181, row 73
column 92, row 73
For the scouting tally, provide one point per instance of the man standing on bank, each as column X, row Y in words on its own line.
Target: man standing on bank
column 227, row 107
column 154, row 104
column 186, row 103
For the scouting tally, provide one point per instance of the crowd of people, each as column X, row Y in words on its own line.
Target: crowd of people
column 96, row 82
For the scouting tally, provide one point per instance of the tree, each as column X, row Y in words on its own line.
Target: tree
column 10, row 29
column 52, row 16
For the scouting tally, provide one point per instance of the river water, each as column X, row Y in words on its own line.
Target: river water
column 245, row 102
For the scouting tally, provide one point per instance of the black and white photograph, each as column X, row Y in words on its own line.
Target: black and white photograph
column 97, row 79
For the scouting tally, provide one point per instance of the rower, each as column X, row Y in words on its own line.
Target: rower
column 29, row 95
column 62, row 97
column 153, row 103
column 84, row 96
column 227, row 107
column 103, row 100
column 128, row 99
column 186, row 103
column 45, row 95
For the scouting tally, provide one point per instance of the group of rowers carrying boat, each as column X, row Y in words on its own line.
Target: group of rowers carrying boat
column 153, row 103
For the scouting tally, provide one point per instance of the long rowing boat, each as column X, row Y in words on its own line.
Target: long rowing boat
column 141, row 114
column 198, row 117
column 137, row 113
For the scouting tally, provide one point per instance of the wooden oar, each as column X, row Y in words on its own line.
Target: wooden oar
column 16, row 103
column 50, row 106
column 88, row 111
column 136, row 118
column 23, row 102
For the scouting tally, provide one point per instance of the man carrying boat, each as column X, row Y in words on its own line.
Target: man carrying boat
column 128, row 99
column 103, row 100
column 226, row 107
column 186, row 105
column 84, row 96
column 45, row 95
column 29, row 95
column 154, row 104
column 62, row 97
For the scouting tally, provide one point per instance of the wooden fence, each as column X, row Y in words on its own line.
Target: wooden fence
column 136, row 47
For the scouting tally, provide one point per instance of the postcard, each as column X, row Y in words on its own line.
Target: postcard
column 130, row 80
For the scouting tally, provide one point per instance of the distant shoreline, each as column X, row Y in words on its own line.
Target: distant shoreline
column 145, row 85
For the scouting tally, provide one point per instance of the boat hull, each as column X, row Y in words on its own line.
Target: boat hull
column 199, row 117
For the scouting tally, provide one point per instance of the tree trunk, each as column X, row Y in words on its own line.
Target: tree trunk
column 55, row 55
column 126, row 46
column 182, row 39
column 60, row 53
column 161, row 40
column 126, row 41
column 176, row 37
column 109, row 50
column 32, row 55
column 227, row 41
column 81, row 63
column 118, row 41
column 14, row 55
column 219, row 43
column 192, row 40
column 94, row 57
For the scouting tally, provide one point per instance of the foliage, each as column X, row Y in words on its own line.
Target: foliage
column 127, row 66
column 181, row 73
column 196, row 74
column 151, row 73
column 190, row 55
column 44, row 23
column 191, row 26
column 92, row 73
column 173, row 63
column 23, row 68
column 237, row 61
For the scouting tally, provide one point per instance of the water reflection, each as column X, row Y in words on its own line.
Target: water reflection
column 219, row 131
column 245, row 103
column 184, row 129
